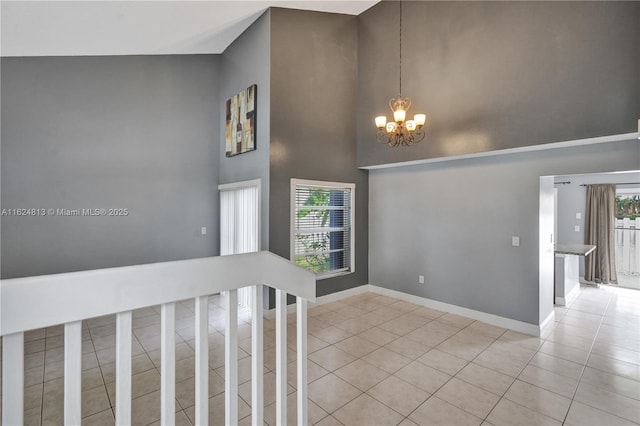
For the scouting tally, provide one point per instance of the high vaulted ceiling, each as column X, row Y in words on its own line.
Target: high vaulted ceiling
column 142, row 27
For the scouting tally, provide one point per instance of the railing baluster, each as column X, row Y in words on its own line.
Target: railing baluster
column 168, row 363
column 281, row 357
column 202, row 360
column 26, row 302
column 301, row 330
column 123, row 368
column 12, row 379
column 257, row 357
column 73, row 373
column 231, row 358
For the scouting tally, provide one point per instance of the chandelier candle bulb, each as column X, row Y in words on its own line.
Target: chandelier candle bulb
column 399, row 115
column 420, row 119
column 411, row 125
column 391, row 127
column 381, row 122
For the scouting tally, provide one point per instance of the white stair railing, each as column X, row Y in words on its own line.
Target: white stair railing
column 43, row 301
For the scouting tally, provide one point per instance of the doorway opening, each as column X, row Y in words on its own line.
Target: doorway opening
column 570, row 221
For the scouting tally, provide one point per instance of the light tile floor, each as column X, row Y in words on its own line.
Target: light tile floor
column 375, row 360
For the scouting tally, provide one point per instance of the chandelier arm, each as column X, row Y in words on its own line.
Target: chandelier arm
column 383, row 137
column 417, row 136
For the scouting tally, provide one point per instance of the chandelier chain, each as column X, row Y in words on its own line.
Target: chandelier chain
column 400, row 47
column 402, row 131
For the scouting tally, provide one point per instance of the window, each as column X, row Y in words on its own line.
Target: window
column 627, row 236
column 240, row 224
column 240, row 217
column 322, row 226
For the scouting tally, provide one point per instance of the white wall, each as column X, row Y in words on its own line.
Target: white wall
column 453, row 221
column 546, row 262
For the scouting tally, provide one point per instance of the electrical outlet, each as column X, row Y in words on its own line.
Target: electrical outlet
column 515, row 241
column 421, row 279
column 578, row 215
column 203, row 230
column 576, row 228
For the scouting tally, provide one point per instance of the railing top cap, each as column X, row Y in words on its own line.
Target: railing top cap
column 45, row 300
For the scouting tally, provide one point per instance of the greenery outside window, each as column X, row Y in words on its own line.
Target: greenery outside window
column 322, row 237
column 628, row 204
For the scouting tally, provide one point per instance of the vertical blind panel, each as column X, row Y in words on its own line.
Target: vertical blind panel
column 239, row 220
column 227, row 222
column 323, row 229
column 239, row 215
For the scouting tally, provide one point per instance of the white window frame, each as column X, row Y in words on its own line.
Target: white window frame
column 326, row 185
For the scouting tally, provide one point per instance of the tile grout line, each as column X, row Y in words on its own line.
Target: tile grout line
column 95, row 353
column 400, row 314
column 584, row 367
column 528, row 363
column 44, row 362
column 360, row 358
column 454, row 375
column 469, row 362
column 433, row 347
column 508, row 387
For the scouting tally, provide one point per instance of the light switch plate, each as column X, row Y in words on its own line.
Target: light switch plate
column 421, row 279
column 203, row 230
column 515, row 241
column 578, row 215
column 576, row 228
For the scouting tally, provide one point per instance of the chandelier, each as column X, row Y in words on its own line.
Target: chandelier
column 400, row 131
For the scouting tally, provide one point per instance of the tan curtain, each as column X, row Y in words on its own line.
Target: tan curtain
column 600, row 266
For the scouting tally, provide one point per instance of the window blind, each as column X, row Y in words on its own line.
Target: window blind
column 239, row 224
column 322, row 241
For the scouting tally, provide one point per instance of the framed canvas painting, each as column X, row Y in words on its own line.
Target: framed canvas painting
column 241, row 122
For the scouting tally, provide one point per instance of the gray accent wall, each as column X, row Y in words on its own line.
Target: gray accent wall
column 498, row 75
column 245, row 62
column 453, row 221
column 313, row 104
column 134, row 132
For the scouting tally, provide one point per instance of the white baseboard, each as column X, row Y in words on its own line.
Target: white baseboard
column 588, row 283
column 568, row 298
column 511, row 324
column 519, row 326
column 548, row 322
column 321, row 300
column 334, row 297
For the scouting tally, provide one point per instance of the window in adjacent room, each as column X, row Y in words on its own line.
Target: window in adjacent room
column 627, row 235
column 322, row 237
